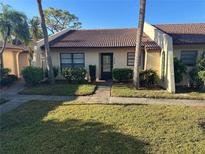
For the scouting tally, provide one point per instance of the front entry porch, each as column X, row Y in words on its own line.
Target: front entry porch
column 106, row 61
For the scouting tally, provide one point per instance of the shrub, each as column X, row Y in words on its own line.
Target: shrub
column 8, row 80
column 122, row 74
column 4, row 72
column 201, row 75
column 55, row 72
column 195, row 81
column 197, row 74
column 92, row 72
column 179, row 70
column 74, row 74
column 148, row 78
column 32, row 75
column 201, row 64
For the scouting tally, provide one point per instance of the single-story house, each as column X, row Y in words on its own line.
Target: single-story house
column 114, row 48
column 15, row 58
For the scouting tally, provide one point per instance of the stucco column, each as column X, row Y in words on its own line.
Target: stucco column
column 170, row 67
column 17, row 64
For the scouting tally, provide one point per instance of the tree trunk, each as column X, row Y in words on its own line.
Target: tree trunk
column 49, row 64
column 140, row 29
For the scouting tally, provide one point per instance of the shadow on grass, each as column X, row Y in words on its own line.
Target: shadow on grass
column 28, row 130
column 185, row 89
column 60, row 90
column 202, row 124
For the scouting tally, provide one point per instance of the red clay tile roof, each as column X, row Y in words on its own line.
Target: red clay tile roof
column 185, row 33
column 100, row 38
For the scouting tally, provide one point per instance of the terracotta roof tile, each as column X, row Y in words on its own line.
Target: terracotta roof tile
column 101, row 38
column 185, row 33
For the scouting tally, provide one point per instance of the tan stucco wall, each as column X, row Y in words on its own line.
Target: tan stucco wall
column 166, row 44
column 12, row 60
column 92, row 56
column 177, row 53
column 152, row 60
column 23, row 61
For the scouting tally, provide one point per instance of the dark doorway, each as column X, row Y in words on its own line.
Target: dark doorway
column 106, row 66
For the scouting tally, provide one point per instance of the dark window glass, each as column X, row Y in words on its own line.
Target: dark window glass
column 189, row 57
column 130, row 58
column 71, row 60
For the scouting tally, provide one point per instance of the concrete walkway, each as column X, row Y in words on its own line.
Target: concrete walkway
column 101, row 96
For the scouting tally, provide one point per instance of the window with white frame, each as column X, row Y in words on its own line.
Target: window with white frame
column 130, row 58
column 71, row 60
column 189, row 57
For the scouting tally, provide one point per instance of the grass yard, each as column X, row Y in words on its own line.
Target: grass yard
column 51, row 127
column 129, row 91
column 60, row 90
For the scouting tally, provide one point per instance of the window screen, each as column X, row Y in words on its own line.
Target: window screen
column 70, row 60
column 130, row 58
column 189, row 57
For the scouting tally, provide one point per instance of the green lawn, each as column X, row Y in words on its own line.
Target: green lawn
column 129, row 91
column 60, row 90
column 55, row 127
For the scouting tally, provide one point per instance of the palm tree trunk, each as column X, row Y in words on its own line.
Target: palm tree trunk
column 49, row 64
column 140, row 29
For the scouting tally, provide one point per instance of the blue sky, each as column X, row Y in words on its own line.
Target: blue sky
column 120, row 13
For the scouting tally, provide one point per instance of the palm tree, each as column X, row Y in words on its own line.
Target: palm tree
column 36, row 34
column 138, row 43
column 49, row 64
column 35, row 30
column 13, row 24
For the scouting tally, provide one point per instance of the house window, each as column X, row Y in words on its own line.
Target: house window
column 70, row 60
column 130, row 58
column 189, row 57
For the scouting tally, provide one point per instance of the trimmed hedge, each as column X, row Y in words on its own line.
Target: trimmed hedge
column 75, row 75
column 32, row 75
column 122, row 74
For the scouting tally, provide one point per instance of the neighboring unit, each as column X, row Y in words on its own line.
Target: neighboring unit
column 114, row 48
column 15, row 58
